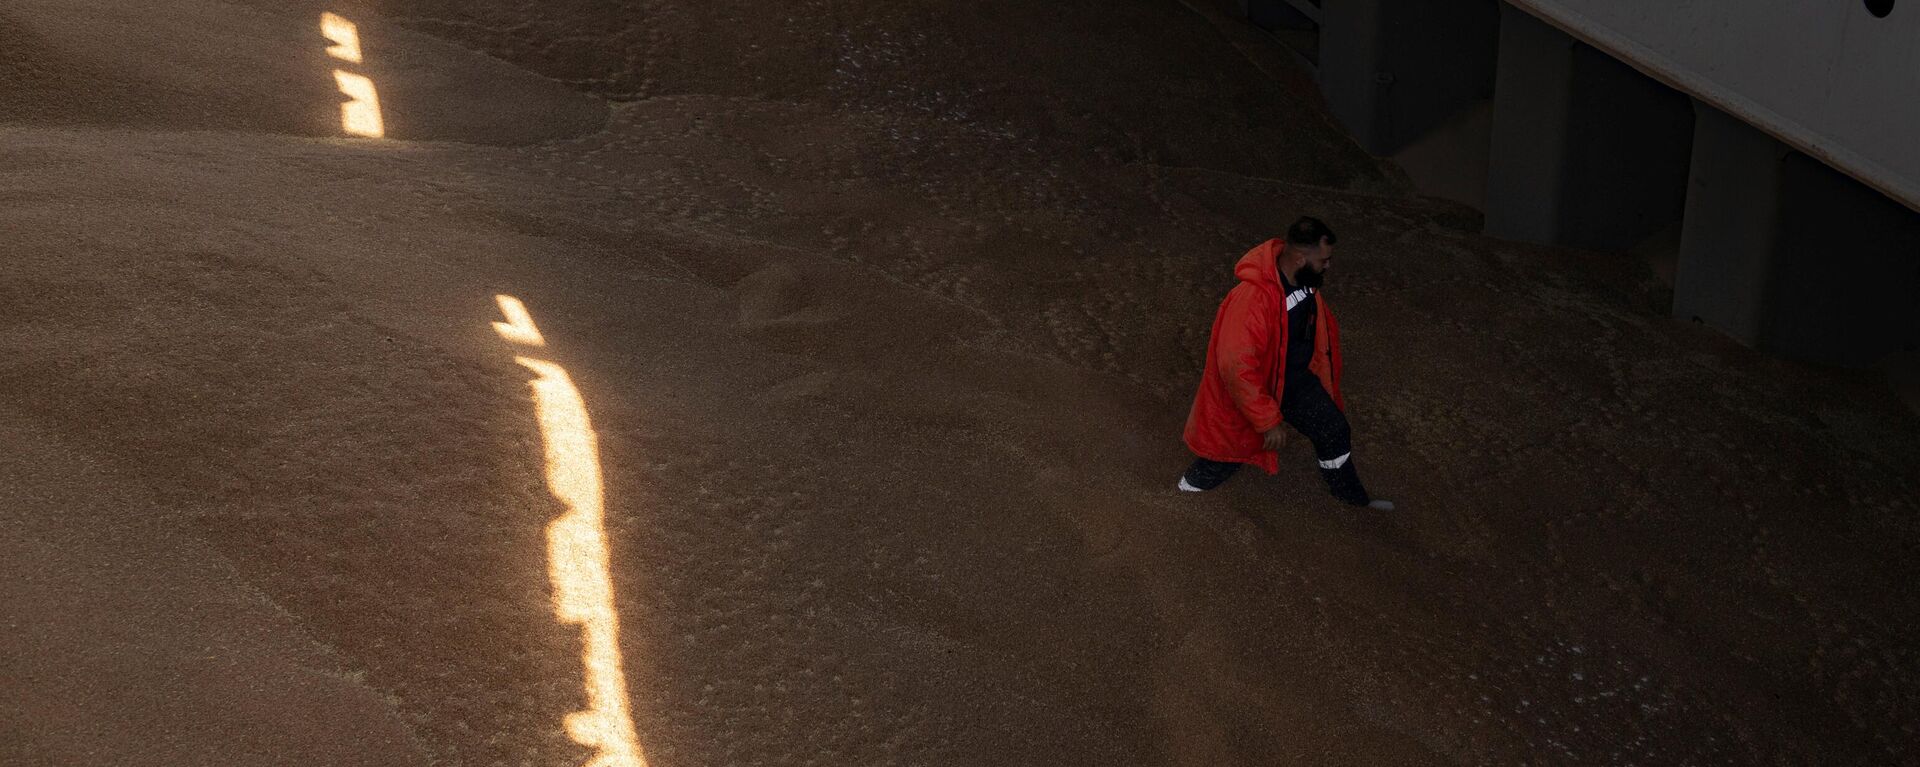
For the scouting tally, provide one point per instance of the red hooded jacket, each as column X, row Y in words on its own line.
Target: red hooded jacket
column 1239, row 395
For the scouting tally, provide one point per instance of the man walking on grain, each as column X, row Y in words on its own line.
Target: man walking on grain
column 1274, row 360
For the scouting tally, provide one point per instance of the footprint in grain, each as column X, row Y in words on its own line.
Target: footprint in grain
column 780, row 293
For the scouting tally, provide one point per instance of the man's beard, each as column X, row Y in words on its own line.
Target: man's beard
column 1306, row 277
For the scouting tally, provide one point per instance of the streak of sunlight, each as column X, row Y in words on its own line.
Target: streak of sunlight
column 360, row 115
column 578, row 562
column 345, row 36
column 519, row 325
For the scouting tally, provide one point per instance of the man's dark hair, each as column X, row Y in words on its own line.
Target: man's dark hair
column 1309, row 231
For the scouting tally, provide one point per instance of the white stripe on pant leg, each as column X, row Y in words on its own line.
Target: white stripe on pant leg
column 1337, row 462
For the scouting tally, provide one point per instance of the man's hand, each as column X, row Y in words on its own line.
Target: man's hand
column 1276, row 437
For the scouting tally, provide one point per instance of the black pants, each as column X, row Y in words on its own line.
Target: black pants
column 1310, row 410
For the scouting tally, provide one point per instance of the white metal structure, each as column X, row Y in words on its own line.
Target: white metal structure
column 1834, row 79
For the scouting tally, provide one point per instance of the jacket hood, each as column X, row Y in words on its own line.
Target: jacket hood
column 1259, row 266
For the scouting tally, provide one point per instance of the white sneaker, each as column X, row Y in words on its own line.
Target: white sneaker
column 1186, row 487
column 1380, row 504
